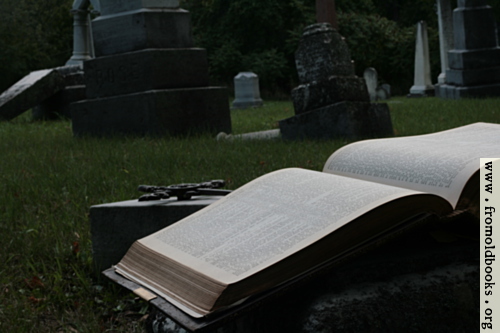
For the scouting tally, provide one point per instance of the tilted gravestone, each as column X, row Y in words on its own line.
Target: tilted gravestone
column 34, row 88
column 475, row 60
column 147, row 78
column 331, row 102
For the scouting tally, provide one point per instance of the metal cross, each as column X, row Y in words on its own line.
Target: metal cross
column 182, row 191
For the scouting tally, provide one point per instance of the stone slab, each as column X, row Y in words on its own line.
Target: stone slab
column 351, row 120
column 471, row 77
column 322, row 52
column 115, row 226
column 474, row 28
column 146, row 70
column 155, row 112
column 109, row 7
column 413, row 285
column 29, row 91
column 479, row 91
column 58, row 105
column 141, row 29
column 473, row 59
column 317, row 94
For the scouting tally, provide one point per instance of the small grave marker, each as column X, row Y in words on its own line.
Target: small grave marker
column 246, row 91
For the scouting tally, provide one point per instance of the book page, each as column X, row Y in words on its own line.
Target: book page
column 267, row 220
column 438, row 163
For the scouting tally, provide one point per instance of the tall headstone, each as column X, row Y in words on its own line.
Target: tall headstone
column 147, row 78
column 445, row 22
column 422, row 85
column 331, row 101
column 474, row 63
column 246, row 91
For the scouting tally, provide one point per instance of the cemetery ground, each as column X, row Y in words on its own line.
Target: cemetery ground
column 49, row 179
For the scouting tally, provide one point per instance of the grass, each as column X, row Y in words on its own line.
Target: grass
column 50, row 179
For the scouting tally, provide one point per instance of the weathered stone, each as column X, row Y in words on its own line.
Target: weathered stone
column 154, row 112
column 332, row 102
column 118, row 6
column 322, row 53
column 351, row 120
column 29, row 91
column 314, row 95
column 115, row 226
column 146, row 70
column 141, row 29
column 246, row 91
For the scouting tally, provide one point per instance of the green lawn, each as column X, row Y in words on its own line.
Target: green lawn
column 50, row 179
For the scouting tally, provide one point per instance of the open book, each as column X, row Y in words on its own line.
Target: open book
column 290, row 221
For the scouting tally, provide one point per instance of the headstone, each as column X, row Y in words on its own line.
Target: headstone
column 474, row 63
column 331, row 101
column 34, row 88
column 445, row 22
column 371, row 78
column 147, row 78
column 422, row 85
column 115, row 226
column 246, row 91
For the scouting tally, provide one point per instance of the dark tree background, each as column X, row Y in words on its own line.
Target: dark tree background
column 239, row 35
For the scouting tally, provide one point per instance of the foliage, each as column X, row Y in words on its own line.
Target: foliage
column 251, row 35
column 375, row 41
column 33, row 35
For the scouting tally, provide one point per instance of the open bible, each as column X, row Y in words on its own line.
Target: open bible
column 290, row 221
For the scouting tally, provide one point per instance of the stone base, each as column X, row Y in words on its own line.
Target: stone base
column 146, row 70
column 155, row 112
column 317, row 94
column 115, row 226
column 457, row 92
column 472, row 59
column 350, row 120
column 421, row 91
column 59, row 105
column 141, row 29
column 471, row 77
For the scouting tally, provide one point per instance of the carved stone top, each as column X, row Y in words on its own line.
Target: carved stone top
column 322, row 53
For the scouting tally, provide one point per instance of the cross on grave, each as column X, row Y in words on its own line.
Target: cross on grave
column 325, row 12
